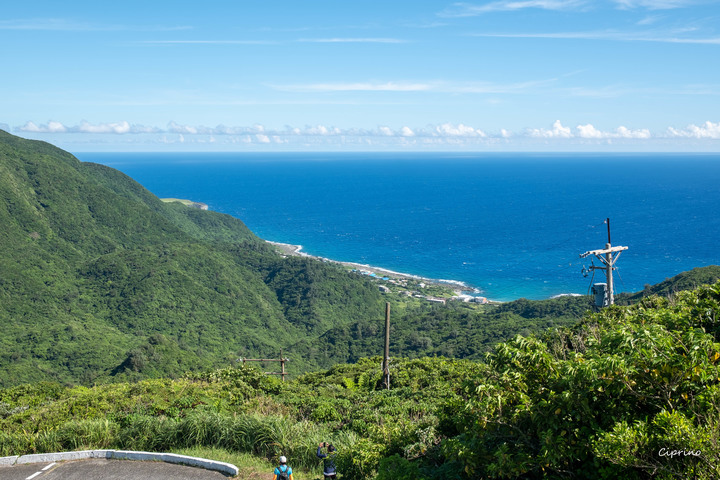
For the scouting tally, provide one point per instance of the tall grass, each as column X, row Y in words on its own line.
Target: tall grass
column 263, row 436
column 72, row 435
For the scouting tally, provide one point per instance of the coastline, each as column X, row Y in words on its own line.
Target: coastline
column 187, row 203
column 458, row 287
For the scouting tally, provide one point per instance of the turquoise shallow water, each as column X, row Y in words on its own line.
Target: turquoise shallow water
column 512, row 225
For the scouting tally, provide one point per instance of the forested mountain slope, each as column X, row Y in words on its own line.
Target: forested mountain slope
column 100, row 279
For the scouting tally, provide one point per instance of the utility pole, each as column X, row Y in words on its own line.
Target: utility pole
column 608, row 258
column 282, row 361
column 386, row 356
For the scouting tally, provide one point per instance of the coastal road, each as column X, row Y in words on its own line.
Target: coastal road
column 100, row 468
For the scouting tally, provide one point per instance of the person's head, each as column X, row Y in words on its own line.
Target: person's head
column 283, row 460
column 331, row 448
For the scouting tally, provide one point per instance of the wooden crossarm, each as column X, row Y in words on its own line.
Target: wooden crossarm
column 603, row 251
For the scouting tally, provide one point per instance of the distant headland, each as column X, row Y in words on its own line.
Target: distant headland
column 188, row 203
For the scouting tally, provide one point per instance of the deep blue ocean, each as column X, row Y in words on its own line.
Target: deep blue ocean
column 511, row 225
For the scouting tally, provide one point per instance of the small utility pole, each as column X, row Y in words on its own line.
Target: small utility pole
column 282, row 366
column 607, row 258
column 386, row 356
column 282, row 361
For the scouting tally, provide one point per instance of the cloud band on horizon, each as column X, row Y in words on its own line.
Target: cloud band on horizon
column 706, row 130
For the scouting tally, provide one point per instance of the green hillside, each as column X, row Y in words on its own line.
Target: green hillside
column 684, row 281
column 456, row 330
column 101, row 280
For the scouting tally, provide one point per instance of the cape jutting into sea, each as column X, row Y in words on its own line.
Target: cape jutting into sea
column 510, row 225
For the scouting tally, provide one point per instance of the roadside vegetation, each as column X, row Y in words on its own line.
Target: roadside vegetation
column 610, row 397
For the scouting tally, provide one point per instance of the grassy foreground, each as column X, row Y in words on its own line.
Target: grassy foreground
column 631, row 392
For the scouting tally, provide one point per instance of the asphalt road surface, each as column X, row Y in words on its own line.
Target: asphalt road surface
column 103, row 469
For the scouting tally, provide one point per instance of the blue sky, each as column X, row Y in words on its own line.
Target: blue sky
column 556, row 75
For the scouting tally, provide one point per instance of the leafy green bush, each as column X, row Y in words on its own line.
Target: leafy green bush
column 396, row 467
column 361, row 460
column 602, row 398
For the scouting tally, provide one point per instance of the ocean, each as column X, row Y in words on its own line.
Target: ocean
column 509, row 225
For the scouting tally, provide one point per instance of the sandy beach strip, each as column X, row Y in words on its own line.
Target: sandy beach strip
column 296, row 250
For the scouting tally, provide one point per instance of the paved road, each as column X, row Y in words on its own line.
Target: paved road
column 103, row 469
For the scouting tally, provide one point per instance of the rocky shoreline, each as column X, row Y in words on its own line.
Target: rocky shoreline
column 296, row 250
column 459, row 290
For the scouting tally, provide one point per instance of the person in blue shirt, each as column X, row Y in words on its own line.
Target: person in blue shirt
column 283, row 471
column 328, row 460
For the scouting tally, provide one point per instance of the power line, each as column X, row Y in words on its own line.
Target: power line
column 608, row 256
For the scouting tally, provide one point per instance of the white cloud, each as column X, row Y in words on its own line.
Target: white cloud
column 450, row 130
column 352, row 40
column 119, row 128
column 654, row 4
column 175, row 128
column 431, row 86
column 558, row 131
column 426, row 25
column 321, row 130
column 50, row 127
column 64, row 25
column 623, row 132
column 485, row 88
column 612, row 35
column 449, row 134
column 223, row 130
column 54, row 24
column 650, row 20
column 317, row 130
column 472, row 10
column 356, row 87
column 406, row 132
column 707, row 130
column 206, row 42
column 218, row 130
column 468, row 10
column 589, row 131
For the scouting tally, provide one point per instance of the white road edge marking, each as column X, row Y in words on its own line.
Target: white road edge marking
column 33, row 475
column 49, row 466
